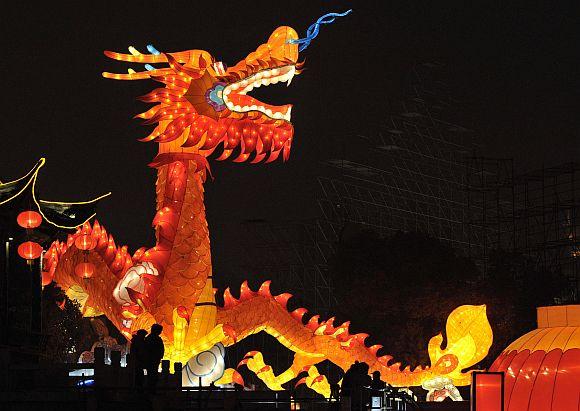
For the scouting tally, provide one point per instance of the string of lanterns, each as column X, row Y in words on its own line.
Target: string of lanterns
column 29, row 250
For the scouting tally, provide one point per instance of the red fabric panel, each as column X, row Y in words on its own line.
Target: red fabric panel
column 520, row 396
column 511, row 376
column 541, row 398
column 567, row 388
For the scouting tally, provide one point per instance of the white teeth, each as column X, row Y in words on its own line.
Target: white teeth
column 258, row 76
column 226, row 91
column 234, row 86
column 249, row 88
column 266, row 81
column 279, row 116
column 127, row 323
column 269, row 112
column 253, row 108
column 237, row 108
column 275, row 72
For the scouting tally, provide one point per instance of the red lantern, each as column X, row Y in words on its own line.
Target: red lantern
column 29, row 219
column 29, row 250
column 85, row 270
column 84, row 242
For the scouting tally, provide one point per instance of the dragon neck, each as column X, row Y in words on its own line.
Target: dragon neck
column 182, row 252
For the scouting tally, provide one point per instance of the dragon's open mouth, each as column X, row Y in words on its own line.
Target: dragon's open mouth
column 236, row 98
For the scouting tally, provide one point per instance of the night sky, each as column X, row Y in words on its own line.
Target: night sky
column 516, row 68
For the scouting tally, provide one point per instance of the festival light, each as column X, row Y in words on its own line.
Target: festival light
column 29, row 219
column 542, row 368
column 85, row 270
column 205, row 105
column 30, row 250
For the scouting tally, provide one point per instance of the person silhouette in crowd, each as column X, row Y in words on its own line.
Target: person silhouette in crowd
column 360, row 386
column 139, row 356
column 347, row 380
column 377, row 383
column 155, row 351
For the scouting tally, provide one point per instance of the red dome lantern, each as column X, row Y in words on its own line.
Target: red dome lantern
column 85, row 242
column 85, row 270
column 29, row 250
column 29, row 219
column 542, row 368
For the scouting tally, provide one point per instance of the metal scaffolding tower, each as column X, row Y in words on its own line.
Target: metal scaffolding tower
column 411, row 177
column 535, row 214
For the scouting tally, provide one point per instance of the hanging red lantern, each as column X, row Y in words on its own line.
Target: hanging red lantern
column 85, row 270
column 29, row 219
column 29, row 250
column 85, row 242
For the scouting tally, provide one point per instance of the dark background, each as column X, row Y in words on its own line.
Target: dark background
column 515, row 67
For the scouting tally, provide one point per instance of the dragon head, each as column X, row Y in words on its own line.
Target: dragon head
column 205, row 105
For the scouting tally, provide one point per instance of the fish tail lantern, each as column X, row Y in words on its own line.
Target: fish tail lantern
column 30, row 251
column 542, row 368
column 29, row 219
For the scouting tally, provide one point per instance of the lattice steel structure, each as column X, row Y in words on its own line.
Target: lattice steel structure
column 535, row 214
column 411, row 177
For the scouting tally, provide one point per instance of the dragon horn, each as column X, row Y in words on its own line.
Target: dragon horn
column 181, row 57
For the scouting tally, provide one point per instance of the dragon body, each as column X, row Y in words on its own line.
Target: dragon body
column 203, row 107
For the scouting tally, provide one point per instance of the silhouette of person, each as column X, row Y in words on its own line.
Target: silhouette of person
column 377, row 383
column 139, row 355
column 347, row 381
column 155, row 351
column 360, row 384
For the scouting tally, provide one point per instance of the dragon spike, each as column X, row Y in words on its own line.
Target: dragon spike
column 329, row 330
column 245, row 292
column 407, row 369
column 344, row 326
column 384, row 359
column 229, row 300
column 313, row 323
column 138, row 253
column 282, row 299
column 298, row 313
column 86, row 228
column 361, row 337
column 374, row 349
column 264, row 290
column 69, row 240
column 230, row 332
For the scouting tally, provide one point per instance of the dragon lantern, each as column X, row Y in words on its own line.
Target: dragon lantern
column 204, row 106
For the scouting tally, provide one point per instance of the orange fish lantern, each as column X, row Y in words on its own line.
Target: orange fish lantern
column 30, row 250
column 29, row 219
column 85, row 270
column 542, row 368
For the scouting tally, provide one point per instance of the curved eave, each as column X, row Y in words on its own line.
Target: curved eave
column 60, row 214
